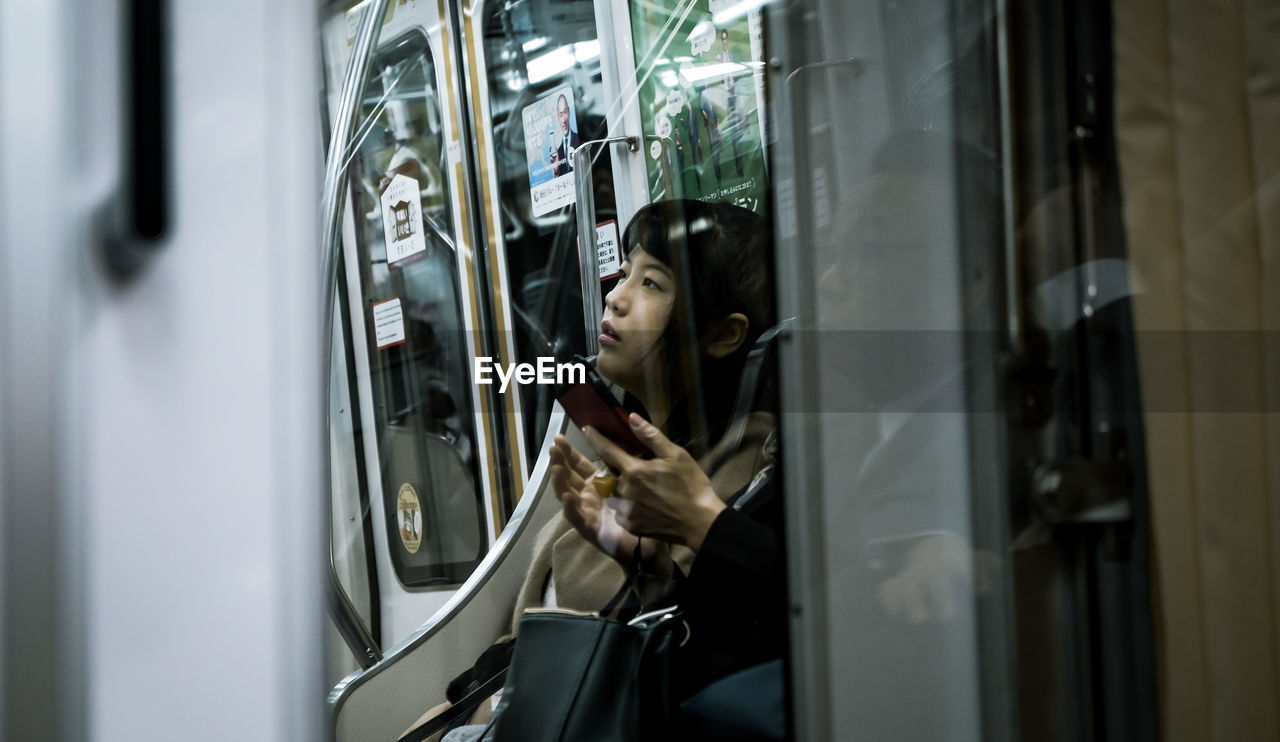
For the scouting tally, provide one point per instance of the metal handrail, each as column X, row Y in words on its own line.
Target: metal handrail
column 588, row 265
column 1009, row 241
column 350, row 626
column 521, row 521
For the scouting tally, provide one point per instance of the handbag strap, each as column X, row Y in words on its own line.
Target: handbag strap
column 616, row 601
column 633, row 580
column 460, row 710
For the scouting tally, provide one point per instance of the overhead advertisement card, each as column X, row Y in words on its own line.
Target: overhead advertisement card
column 551, row 137
column 700, row 101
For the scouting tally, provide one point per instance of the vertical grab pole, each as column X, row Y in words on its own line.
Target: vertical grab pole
column 352, row 630
column 588, row 265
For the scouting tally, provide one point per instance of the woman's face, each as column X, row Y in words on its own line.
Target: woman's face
column 636, row 313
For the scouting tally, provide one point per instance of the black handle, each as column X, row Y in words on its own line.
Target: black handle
column 142, row 206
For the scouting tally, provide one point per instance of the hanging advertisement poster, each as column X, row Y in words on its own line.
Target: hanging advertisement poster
column 701, row 99
column 551, row 136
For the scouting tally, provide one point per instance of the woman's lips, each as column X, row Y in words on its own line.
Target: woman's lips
column 608, row 336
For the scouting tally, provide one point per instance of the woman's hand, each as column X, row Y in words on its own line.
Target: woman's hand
column 586, row 510
column 667, row 497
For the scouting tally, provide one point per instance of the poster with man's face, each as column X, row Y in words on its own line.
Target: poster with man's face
column 551, row 137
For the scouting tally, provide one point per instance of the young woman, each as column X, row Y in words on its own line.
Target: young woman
column 699, row 535
column 677, row 328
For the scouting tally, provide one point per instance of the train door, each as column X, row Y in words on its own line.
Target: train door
column 159, row 349
column 419, row 492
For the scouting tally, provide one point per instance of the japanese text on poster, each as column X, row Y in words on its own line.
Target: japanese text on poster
column 388, row 323
column 608, row 249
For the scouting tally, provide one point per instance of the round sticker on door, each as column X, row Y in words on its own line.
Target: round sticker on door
column 664, row 127
column 409, row 518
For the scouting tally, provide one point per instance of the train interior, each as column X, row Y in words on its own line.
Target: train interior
column 1021, row 378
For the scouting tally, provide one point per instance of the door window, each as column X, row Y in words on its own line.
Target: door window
column 417, row 346
column 545, row 96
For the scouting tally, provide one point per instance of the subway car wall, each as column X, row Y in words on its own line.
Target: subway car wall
column 954, row 322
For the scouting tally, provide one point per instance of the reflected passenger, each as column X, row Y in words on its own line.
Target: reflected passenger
column 899, row 376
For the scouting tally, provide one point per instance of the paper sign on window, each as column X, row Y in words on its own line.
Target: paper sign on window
column 608, row 249
column 388, row 323
column 402, row 219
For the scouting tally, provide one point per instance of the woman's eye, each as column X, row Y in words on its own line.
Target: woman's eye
column 649, row 282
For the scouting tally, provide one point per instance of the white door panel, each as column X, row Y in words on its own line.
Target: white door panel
column 183, row 442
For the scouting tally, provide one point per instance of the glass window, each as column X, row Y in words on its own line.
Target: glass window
column 411, row 300
column 545, row 97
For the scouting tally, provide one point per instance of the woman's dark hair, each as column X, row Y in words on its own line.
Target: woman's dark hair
column 719, row 254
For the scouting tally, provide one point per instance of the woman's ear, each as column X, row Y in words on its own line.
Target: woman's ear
column 727, row 335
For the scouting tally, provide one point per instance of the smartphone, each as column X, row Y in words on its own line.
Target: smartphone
column 592, row 404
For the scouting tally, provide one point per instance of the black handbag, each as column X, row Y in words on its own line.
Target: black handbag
column 587, row 678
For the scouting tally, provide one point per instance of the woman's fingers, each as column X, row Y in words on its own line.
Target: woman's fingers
column 559, row 481
column 649, row 435
column 564, row 454
column 566, row 482
column 574, row 458
column 615, row 457
column 674, row 500
column 575, row 505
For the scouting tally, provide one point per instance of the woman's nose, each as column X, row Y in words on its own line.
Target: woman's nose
column 615, row 299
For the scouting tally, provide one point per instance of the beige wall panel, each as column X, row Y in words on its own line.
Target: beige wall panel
column 1262, row 49
column 1235, row 559
column 1145, row 142
column 1262, row 44
column 1215, row 179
